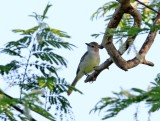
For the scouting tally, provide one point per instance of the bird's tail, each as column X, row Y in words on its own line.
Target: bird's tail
column 73, row 85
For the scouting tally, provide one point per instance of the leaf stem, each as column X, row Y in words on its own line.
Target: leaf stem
column 25, row 71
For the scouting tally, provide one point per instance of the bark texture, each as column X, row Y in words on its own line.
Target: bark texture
column 116, row 55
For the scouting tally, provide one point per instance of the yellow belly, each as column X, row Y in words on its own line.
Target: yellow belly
column 89, row 64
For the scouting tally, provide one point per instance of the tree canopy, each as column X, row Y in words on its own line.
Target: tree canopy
column 130, row 19
column 34, row 71
column 34, row 63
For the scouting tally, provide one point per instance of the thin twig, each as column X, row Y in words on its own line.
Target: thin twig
column 147, row 6
column 15, row 106
column 25, row 71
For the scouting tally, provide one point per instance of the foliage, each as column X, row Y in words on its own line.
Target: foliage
column 123, row 99
column 102, row 11
column 33, row 68
column 125, row 28
column 113, row 105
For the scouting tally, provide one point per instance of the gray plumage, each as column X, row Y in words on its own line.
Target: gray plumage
column 87, row 63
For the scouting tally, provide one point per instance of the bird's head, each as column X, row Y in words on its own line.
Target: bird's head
column 93, row 46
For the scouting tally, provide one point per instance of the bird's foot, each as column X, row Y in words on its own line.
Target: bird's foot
column 93, row 79
column 89, row 76
column 95, row 67
column 86, row 74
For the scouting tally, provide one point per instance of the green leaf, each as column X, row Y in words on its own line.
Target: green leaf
column 95, row 35
column 58, row 32
column 50, row 57
column 101, row 12
column 46, row 10
column 59, row 44
column 13, row 65
column 138, row 90
column 26, row 32
column 19, row 44
column 51, row 83
column 11, row 52
column 37, row 71
column 41, row 82
column 47, row 49
column 41, row 111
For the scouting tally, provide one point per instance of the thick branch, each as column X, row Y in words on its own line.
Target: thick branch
column 117, row 16
column 140, row 58
column 149, row 40
column 115, row 55
column 145, row 47
column 107, row 41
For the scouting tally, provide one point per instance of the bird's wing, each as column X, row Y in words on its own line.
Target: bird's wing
column 81, row 61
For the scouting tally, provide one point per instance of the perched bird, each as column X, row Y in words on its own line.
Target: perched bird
column 87, row 63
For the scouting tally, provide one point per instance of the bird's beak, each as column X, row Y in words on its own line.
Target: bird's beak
column 87, row 44
column 100, row 46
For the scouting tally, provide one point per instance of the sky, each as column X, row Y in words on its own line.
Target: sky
column 73, row 17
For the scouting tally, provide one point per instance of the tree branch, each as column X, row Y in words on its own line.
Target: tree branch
column 117, row 16
column 115, row 56
column 107, row 42
column 15, row 106
column 147, row 6
column 109, row 61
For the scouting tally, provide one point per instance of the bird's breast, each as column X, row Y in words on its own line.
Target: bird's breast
column 90, row 62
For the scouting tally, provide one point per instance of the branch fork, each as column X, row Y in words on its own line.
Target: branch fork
column 116, row 55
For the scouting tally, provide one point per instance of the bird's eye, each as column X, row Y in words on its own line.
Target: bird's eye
column 92, row 46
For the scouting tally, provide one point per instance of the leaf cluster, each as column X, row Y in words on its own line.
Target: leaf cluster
column 34, row 69
column 113, row 105
column 125, row 28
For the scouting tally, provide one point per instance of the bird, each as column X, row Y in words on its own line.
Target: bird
column 87, row 63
